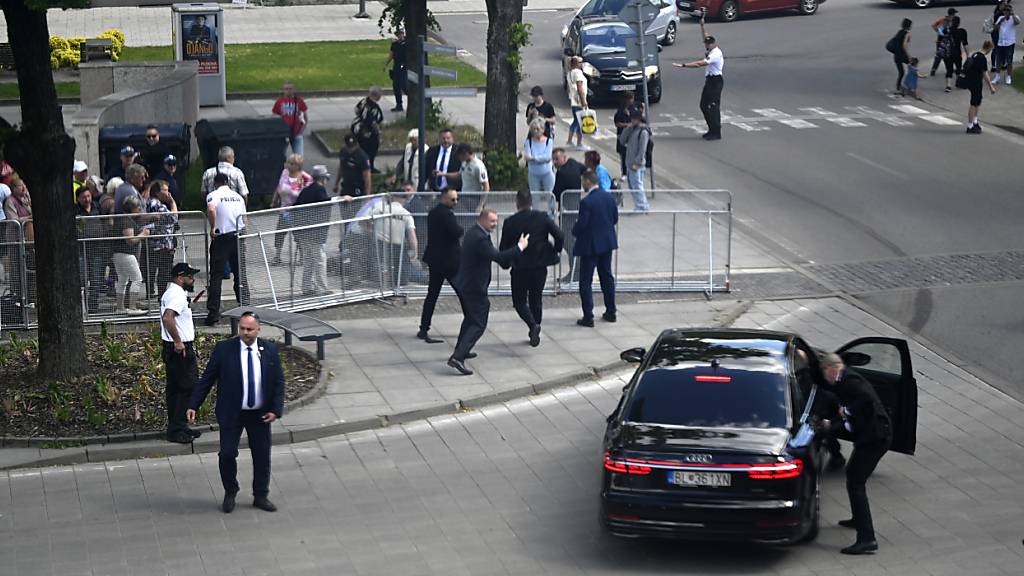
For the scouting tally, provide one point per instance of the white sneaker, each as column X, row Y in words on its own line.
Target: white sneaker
column 997, row 77
column 1009, row 80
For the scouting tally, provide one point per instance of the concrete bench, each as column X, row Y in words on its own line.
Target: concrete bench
column 303, row 327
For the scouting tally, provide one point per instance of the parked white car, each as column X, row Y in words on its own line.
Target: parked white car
column 665, row 25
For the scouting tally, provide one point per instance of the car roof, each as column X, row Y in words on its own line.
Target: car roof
column 732, row 348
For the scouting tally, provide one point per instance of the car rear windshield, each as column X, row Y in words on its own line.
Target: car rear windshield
column 713, row 383
column 606, row 38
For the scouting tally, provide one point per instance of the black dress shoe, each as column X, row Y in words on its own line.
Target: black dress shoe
column 423, row 335
column 458, row 365
column 867, row 547
column 264, row 504
column 588, row 322
column 535, row 335
column 180, row 438
column 229, row 502
column 470, row 355
column 195, row 433
column 712, row 137
column 848, row 523
column 609, row 317
column 211, row 321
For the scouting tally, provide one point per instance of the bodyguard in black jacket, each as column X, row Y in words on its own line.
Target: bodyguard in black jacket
column 441, row 256
column 472, row 280
column 530, row 271
column 867, row 422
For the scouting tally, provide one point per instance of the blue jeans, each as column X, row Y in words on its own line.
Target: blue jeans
column 636, row 188
column 296, row 144
column 603, row 263
column 575, row 127
column 544, row 182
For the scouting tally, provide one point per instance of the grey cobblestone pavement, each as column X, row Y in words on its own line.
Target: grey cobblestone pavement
column 512, row 489
column 924, row 271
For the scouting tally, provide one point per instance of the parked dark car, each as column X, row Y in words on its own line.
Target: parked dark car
column 729, row 10
column 601, row 41
column 713, row 437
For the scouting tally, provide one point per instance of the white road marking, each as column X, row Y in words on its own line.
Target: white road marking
column 940, row 120
column 874, row 164
column 750, row 127
column 844, row 121
column 797, row 123
column 908, row 109
column 770, row 112
column 879, row 116
column 819, row 111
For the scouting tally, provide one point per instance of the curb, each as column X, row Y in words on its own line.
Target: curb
column 309, row 397
column 161, row 449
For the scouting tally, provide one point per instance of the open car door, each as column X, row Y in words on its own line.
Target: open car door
column 885, row 362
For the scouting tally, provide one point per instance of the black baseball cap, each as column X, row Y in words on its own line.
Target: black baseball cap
column 183, row 269
column 951, row 11
column 170, row 160
column 709, row 39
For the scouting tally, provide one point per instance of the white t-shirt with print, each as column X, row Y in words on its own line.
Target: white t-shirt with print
column 576, row 75
column 1007, row 31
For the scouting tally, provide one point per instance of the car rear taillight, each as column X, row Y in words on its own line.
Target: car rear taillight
column 624, row 467
column 776, row 471
column 707, row 378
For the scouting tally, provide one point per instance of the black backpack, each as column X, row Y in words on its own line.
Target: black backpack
column 893, row 45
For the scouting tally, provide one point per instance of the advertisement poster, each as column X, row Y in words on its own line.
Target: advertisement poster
column 200, row 41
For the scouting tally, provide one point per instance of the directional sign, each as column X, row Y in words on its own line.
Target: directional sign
column 440, row 72
column 441, row 49
column 412, row 77
column 450, row 93
column 648, row 10
column 650, row 47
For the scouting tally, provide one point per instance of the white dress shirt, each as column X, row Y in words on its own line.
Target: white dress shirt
column 716, row 61
column 244, row 354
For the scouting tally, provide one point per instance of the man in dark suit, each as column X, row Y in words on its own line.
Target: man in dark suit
column 867, row 423
column 441, row 256
column 472, row 280
column 250, row 395
column 439, row 160
column 530, row 271
column 567, row 173
column 595, row 241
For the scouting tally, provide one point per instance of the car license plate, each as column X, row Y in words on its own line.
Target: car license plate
column 621, row 87
column 714, row 479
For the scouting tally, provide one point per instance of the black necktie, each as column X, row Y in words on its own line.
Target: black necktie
column 442, row 166
column 251, row 400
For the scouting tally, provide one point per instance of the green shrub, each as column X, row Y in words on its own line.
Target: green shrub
column 59, row 43
column 504, row 170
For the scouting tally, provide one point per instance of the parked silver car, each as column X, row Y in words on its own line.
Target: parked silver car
column 665, row 25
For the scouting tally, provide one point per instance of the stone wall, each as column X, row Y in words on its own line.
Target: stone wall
column 133, row 93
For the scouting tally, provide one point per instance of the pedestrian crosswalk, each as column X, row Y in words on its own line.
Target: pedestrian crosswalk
column 801, row 118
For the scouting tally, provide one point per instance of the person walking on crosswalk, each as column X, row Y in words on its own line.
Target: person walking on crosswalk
column 711, row 97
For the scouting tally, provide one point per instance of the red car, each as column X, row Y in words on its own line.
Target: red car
column 729, row 10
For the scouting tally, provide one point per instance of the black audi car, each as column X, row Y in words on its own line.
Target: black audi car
column 713, row 435
column 610, row 70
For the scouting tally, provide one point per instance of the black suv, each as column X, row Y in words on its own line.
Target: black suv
column 713, row 436
column 601, row 42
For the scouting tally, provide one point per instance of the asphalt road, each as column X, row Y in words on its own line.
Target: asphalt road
column 850, row 173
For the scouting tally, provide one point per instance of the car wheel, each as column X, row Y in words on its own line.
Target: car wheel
column 730, row 11
column 808, row 7
column 654, row 91
column 922, row 3
column 815, row 526
column 670, row 35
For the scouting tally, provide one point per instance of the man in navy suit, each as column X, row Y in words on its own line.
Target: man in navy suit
column 595, row 241
column 472, row 280
column 250, row 395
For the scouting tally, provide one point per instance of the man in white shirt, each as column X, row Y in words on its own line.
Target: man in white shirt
column 711, row 97
column 393, row 232
column 224, row 209
column 1006, row 30
column 178, row 332
column 226, row 165
column 576, row 81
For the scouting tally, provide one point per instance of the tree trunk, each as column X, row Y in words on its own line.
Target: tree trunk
column 502, row 105
column 42, row 153
column 415, row 26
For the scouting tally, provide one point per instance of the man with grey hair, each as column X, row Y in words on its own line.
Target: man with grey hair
column 135, row 179
column 226, row 165
column 865, row 420
column 311, row 240
column 366, row 124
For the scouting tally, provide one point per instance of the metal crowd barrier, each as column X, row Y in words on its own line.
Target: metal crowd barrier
column 683, row 243
column 14, row 298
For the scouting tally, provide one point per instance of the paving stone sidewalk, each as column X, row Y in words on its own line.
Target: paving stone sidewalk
column 512, row 488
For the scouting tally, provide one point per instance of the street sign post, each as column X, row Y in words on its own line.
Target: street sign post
column 424, row 92
column 639, row 14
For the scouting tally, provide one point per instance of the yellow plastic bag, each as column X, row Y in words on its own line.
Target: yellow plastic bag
column 588, row 121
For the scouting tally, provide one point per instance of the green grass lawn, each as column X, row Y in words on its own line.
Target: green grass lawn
column 64, row 89
column 311, row 65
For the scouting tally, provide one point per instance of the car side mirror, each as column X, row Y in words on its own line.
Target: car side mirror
column 856, row 359
column 568, row 52
column 633, row 355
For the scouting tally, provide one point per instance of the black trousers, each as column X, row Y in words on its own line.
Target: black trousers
column 859, row 467
column 258, row 433
column 223, row 250
column 527, row 293
column 711, row 104
column 370, row 145
column 475, row 310
column 182, row 375
column 157, row 270
column 435, row 281
column 603, row 264
column 398, row 85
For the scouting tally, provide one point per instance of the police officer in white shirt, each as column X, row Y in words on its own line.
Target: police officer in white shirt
column 178, row 332
column 224, row 207
column 711, row 97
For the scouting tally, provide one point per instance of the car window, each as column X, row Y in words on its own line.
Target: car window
column 884, row 357
column 603, row 7
column 749, row 399
column 606, row 38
